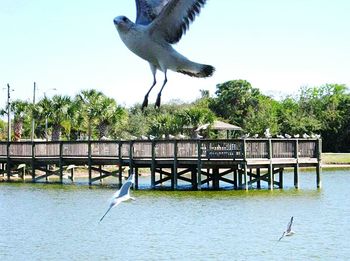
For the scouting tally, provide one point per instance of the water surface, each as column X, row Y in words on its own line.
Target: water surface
column 60, row 222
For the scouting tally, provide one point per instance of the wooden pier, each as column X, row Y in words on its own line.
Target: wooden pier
column 240, row 163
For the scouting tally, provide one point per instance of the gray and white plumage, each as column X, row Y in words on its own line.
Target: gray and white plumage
column 121, row 195
column 158, row 25
column 289, row 231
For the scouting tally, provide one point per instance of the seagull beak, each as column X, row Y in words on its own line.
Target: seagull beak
column 116, row 20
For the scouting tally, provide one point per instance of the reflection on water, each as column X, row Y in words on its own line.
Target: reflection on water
column 55, row 222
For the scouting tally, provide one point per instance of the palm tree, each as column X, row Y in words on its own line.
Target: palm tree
column 89, row 102
column 58, row 111
column 109, row 115
column 21, row 111
column 99, row 111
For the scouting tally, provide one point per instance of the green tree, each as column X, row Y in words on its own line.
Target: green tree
column 21, row 115
column 293, row 119
column 330, row 104
column 59, row 111
column 241, row 104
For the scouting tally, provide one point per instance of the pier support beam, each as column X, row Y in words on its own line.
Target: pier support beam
column 245, row 169
column 216, row 180
column 258, row 176
column 199, row 166
column 235, row 177
column 280, row 178
column 136, row 185
column 296, row 176
column 271, row 177
column 153, row 167
column 318, row 176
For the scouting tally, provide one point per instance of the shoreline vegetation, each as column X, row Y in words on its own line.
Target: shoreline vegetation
column 335, row 160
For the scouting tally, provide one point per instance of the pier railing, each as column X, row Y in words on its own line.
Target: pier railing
column 234, row 149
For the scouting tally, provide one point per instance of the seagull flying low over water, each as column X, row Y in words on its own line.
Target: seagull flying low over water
column 158, row 25
column 289, row 231
column 121, row 195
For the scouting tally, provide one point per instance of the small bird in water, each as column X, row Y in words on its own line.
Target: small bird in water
column 122, row 194
column 158, row 25
column 289, row 231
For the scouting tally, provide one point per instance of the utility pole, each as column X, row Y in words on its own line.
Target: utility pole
column 33, row 121
column 8, row 114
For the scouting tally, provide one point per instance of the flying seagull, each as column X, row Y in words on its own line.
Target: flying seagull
column 122, row 194
column 158, row 25
column 289, row 231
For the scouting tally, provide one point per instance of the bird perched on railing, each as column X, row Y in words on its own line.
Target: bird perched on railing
column 267, row 133
column 315, row 136
column 287, row 136
column 280, row 136
column 180, row 136
column 158, row 25
column 244, row 136
column 306, row 136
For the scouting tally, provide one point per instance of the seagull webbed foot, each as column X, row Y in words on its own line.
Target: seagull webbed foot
column 157, row 104
column 145, row 103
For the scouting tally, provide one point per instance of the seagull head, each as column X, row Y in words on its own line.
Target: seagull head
column 122, row 23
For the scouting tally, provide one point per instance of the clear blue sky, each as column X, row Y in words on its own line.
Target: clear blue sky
column 277, row 45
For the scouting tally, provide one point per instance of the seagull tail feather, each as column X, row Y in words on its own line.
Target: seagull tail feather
column 198, row 70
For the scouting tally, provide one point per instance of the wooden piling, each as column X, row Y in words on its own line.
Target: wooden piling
column 60, row 163
column 258, row 176
column 199, row 165
column 319, row 164
column 174, row 178
column 280, row 179
column 153, row 166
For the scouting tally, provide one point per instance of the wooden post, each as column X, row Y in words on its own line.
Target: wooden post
column 46, row 173
column 235, row 177
column 100, row 172
column 89, row 162
column 245, row 166
column 136, row 185
column 319, row 164
column 120, row 163
column 199, row 165
column 131, row 158
column 72, row 174
column 175, row 167
column 258, row 176
column 8, row 160
column 245, row 169
column 216, row 184
column 33, row 161
column 194, row 178
column 296, row 176
column 280, row 178
column 240, row 177
column 153, row 166
column 296, row 167
column 271, row 175
column 60, row 162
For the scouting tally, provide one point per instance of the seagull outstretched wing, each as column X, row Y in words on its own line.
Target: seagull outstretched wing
column 289, row 227
column 121, row 195
column 148, row 10
column 175, row 18
column 125, row 189
column 288, row 231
